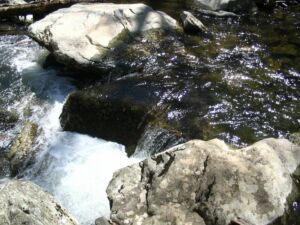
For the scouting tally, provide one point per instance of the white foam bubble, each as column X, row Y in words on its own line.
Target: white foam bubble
column 77, row 170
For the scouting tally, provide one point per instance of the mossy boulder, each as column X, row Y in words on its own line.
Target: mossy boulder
column 23, row 149
column 116, row 112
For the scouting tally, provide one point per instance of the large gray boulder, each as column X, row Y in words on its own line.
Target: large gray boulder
column 85, row 34
column 23, row 202
column 206, row 181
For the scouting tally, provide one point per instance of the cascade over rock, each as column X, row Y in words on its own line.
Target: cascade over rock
column 206, row 181
column 85, row 35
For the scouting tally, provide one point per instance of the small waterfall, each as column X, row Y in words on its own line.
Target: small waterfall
column 74, row 168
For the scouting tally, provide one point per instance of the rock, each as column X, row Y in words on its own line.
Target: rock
column 191, row 23
column 4, row 167
column 155, row 140
column 115, row 112
column 208, row 180
column 84, row 35
column 101, row 221
column 219, row 13
column 295, row 138
column 22, row 202
column 23, row 151
column 14, row 2
column 157, row 92
column 7, row 120
column 236, row 6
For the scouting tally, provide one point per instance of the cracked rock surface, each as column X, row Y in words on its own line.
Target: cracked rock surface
column 22, row 202
column 85, row 33
column 206, row 182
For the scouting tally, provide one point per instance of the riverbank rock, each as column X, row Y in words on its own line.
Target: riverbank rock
column 206, row 182
column 22, row 202
column 86, row 35
column 22, row 151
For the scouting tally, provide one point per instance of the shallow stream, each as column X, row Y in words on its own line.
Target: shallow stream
column 249, row 74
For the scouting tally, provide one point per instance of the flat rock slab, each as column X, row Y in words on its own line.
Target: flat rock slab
column 206, row 182
column 23, row 202
column 85, row 33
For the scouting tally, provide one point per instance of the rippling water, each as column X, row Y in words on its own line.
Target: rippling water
column 246, row 78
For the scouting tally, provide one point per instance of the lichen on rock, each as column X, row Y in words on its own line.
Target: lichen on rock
column 206, row 180
column 22, row 202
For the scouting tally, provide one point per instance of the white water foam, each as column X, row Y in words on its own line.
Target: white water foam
column 75, row 168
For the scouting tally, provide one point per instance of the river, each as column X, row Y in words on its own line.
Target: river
column 253, row 77
column 75, row 168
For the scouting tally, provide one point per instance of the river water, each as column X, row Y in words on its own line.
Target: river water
column 253, row 77
column 75, row 168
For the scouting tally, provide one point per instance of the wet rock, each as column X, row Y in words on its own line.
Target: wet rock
column 191, row 24
column 22, row 202
column 235, row 6
column 155, row 140
column 7, row 120
column 4, row 167
column 116, row 112
column 101, row 221
column 85, row 35
column 209, row 180
column 219, row 13
column 13, row 2
column 23, row 150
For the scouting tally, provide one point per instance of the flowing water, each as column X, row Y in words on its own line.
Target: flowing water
column 75, row 168
column 251, row 78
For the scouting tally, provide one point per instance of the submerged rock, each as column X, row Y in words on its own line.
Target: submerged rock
column 155, row 140
column 4, row 167
column 86, row 35
column 206, row 180
column 191, row 23
column 115, row 112
column 7, row 119
column 22, row 151
column 22, row 202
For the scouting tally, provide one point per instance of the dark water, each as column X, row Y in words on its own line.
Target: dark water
column 245, row 77
column 254, row 75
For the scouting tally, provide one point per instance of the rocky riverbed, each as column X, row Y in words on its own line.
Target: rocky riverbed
column 153, row 76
